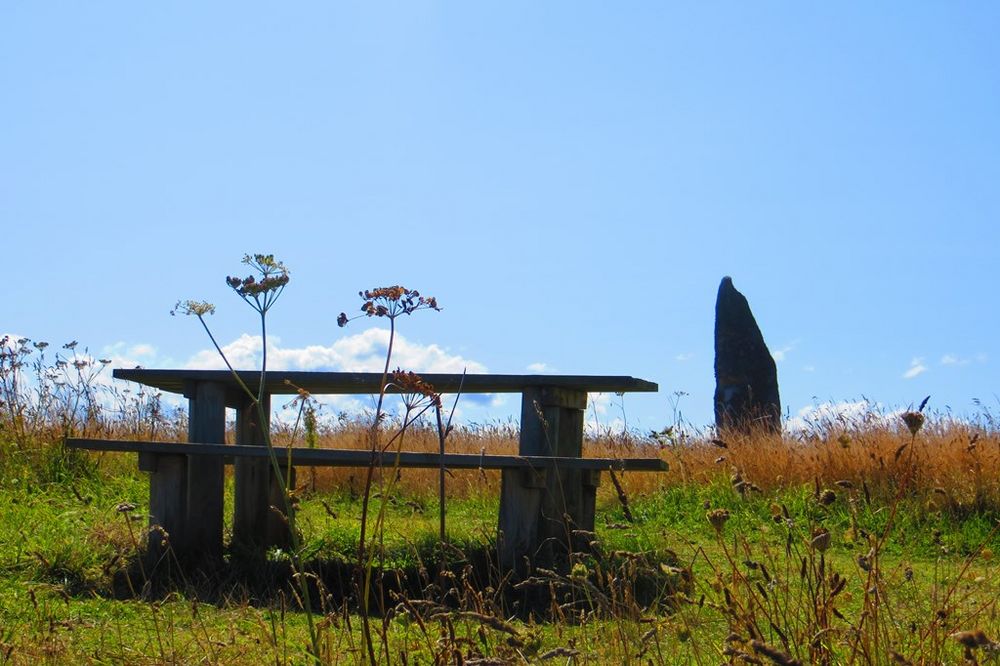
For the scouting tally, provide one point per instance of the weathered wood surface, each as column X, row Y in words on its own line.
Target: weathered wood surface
column 167, row 504
column 347, row 383
column 359, row 458
column 255, row 524
column 202, row 532
column 538, row 522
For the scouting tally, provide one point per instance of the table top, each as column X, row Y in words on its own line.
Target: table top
column 348, row 383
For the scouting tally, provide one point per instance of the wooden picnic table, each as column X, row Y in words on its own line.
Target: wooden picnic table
column 548, row 490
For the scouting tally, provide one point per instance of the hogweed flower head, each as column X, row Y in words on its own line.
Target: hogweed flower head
column 410, row 383
column 391, row 302
column 262, row 289
column 196, row 308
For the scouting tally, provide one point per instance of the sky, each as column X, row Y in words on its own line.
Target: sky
column 571, row 181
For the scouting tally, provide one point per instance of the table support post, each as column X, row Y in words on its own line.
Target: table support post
column 256, row 526
column 538, row 520
column 205, row 475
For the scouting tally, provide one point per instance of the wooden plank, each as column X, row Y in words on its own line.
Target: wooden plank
column 561, row 397
column 347, row 383
column 360, row 458
column 204, row 509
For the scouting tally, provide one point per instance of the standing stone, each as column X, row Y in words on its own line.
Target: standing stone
column 746, row 378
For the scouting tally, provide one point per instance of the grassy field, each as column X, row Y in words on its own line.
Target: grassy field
column 861, row 544
column 865, row 541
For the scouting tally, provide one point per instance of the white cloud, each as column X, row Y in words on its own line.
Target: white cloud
column 362, row 352
column 605, row 414
column 123, row 355
column 779, row 354
column 917, row 368
column 686, row 356
column 539, row 367
column 847, row 413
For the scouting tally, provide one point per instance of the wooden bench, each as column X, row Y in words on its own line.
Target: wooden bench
column 547, row 494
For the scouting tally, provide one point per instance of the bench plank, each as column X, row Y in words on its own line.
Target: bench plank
column 356, row 383
column 359, row 458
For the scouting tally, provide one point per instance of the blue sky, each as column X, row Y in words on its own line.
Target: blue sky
column 570, row 180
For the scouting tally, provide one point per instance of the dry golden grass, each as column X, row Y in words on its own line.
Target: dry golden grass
column 949, row 463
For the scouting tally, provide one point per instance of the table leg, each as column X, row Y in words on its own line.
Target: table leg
column 538, row 520
column 202, row 542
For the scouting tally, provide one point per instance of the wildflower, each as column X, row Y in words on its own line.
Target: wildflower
column 914, row 421
column 125, row 507
column 827, row 497
column 411, row 383
column 196, row 308
column 261, row 291
column 718, row 518
column 391, row 302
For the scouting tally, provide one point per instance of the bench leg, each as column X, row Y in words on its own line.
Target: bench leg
column 167, row 505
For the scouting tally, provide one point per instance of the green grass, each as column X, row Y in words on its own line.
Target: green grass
column 64, row 599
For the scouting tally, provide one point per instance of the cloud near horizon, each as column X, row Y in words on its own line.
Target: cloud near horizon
column 362, row 352
column 847, row 412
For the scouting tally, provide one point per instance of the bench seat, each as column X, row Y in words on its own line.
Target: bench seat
column 304, row 457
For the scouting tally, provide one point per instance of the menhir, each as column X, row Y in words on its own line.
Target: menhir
column 746, row 379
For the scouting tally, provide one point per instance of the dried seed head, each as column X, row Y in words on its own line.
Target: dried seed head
column 412, row 384
column 718, row 518
column 820, row 539
column 972, row 639
column 827, row 497
column 914, row 421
